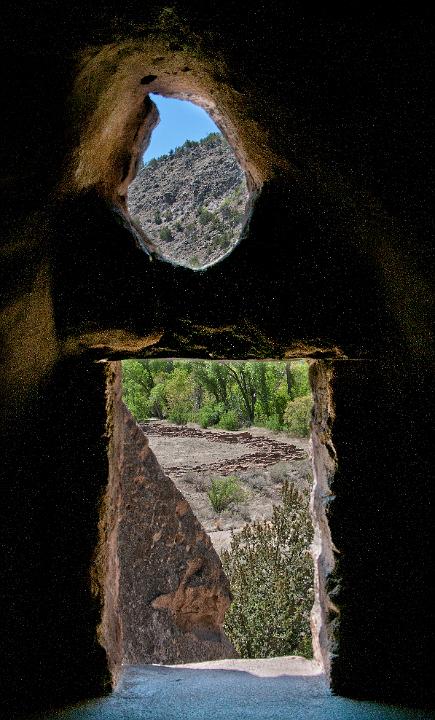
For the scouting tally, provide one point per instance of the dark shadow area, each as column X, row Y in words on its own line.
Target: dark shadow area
column 332, row 116
column 52, row 495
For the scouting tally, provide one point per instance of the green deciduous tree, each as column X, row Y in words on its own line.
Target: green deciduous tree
column 214, row 377
column 297, row 416
column 228, row 394
column 297, row 379
column 137, row 383
column 179, row 390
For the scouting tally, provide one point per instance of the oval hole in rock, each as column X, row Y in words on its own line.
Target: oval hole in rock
column 190, row 193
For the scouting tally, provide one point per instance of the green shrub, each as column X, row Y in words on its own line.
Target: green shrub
column 209, row 414
column 157, row 401
column 157, row 217
column 230, row 420
column 165, row 234
column 188, row 144
column 225, row 491
column 297, row 416
column 279, row 472
column 236, row 217
column 205, row 216
column 271, row 578
column 222, row 241
column 212, row 139
column 179, row 414
column 239, row 190
column 273, row 423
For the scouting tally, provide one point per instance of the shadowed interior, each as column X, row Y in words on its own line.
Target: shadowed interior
column 329, row 115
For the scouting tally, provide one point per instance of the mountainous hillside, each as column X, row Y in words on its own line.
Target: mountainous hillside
column 191, row 202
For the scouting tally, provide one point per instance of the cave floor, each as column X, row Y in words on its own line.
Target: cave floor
column 272, row 689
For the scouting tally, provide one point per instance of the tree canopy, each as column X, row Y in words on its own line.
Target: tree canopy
column 230, row 395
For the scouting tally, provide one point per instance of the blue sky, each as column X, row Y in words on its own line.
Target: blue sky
column 179, row 121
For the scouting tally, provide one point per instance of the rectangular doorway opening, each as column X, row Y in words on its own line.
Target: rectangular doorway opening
column 229, row 572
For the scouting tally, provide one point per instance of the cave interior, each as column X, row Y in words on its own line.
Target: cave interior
column 329, row 114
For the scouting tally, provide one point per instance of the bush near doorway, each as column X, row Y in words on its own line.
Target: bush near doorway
column 270, row 570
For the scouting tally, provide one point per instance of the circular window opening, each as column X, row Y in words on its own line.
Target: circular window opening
column 190, row 193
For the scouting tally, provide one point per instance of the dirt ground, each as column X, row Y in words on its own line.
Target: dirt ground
column 259, row 458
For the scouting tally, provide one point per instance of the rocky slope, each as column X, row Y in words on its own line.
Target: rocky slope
column 191, row 202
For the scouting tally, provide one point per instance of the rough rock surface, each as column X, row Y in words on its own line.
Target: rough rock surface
column 173, row 591
column 191, row 202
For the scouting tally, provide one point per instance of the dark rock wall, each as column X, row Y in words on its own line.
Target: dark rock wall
column 330, row 114
column 54, row 471
column 381, row 522
column 372, row 439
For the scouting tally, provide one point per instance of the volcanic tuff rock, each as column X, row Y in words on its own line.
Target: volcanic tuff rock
column 191, row 202
column 173, row 591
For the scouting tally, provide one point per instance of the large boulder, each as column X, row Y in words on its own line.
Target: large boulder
column 173, row 593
